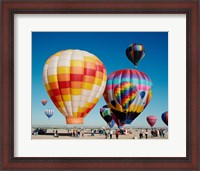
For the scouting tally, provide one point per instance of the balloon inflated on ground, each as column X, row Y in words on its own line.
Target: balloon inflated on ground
column 127, row 94
column 107, row 116
column 75, row 80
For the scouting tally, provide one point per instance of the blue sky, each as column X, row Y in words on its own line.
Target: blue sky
column 110, row 48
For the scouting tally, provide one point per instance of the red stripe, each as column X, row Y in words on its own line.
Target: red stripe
column 56, row 92
column 76, row 77
column 99, row 68
column 90, row 72
column 64, row 84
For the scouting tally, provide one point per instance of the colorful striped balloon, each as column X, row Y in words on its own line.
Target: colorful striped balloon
column 74, row 80
column 127, row 93
column 135, row 52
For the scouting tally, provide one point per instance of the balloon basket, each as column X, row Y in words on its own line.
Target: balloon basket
column 78, row 120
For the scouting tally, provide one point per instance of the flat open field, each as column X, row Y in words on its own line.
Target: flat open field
column 66, row 134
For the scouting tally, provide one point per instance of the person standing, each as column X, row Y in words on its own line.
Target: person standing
column 56, row 134
column 82, row 133
column 146, row 133
column 106, row 135
column 117, row 134
column 111, row 133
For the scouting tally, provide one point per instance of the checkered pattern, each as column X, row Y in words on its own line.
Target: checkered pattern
column 74, row 80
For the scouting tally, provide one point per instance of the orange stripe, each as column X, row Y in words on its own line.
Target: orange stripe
column 76, row 84
column 63, row 77
column 65, row 91
column 76, row 70
column 90, row 65
column 88, row 79
column 54, row 85
column 99, row 75
column 58, row 98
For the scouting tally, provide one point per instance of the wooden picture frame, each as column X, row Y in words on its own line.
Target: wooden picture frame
column 11, row 7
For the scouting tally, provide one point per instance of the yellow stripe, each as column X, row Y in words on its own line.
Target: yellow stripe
column 47, row 86
column 104, row 78
column 97, row 81
column 87, row 86
column 75, row 91
column 88, row 104
column 63, row 70
column 61, row 104
column 66, row 97
column 74, row 114
column 80, row 109
column 52, row 78
column 140, row 109
column 78, row 63
column 131, row 107
column 89, row 59
column 95, row 100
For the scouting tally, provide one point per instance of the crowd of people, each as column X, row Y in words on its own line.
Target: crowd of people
column 110, row 133
column 154, row 133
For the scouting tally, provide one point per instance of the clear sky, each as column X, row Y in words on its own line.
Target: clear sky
column 110, row 48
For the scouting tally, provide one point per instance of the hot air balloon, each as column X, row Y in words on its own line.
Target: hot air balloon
column 74, row 80
column 117, row 121
column 49, row 112
column 151, row 120
column 135, row 52
column 164, row 117
column 127, row 93
column 44, row 102
column 106, row 115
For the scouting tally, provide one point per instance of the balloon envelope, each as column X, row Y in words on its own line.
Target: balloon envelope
column 49, row 112
column 111, row 124
column 75, row 81
column 107, row 116
column 127, row 93
column 151, row 120
column 164, row 117
column 44, row 102
column 135, row 52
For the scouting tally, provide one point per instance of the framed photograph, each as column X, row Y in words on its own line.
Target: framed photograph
column 89, row 85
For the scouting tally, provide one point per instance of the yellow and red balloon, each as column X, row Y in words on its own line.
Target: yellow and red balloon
column 75, row 80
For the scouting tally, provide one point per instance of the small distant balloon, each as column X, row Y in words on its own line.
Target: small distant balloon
column 49, row 112
column 164, row 117
column 151, row 120
column 135, row 52
column 44, row 102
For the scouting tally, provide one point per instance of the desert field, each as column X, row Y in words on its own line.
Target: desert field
column 129, row 133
